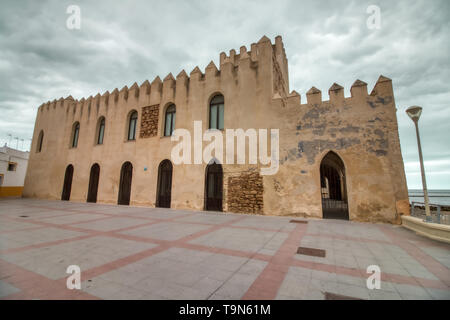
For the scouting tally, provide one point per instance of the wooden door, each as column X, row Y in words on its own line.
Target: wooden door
column 67, row 187
column 214, row 187
column 93, row 183
column 164, row 184
column 126, row 175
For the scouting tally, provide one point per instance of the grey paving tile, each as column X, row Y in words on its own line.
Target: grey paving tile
column 296, row 283
column 6, row 289
column 407, row 291
column 101, row 288
column 264, row 222
column 127, row 293
column 314, row 294
column 353, row 291
column 324, row 285
column 111, row 224
column 179, row 273
column 166, row 230
column 237, row 285
column 252, row 267
column 384, row 295
column 71, row 218
column 53, row 261
column 237, row 239
column 32, row 237
column 439, row 294
column 284, row 297
column 209, row 218
column 354, row 281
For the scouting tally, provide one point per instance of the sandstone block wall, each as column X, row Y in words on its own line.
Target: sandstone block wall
column 362, row 130
column 245, row 193
column 149, row 121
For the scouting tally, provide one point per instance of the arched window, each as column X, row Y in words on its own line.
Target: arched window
column 132, row 124
column 40, row 141
column 101, row 130
column 216, row 111
column 170, row 120
column 75, row 134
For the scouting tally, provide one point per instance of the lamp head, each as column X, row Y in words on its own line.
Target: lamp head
column 414, row 113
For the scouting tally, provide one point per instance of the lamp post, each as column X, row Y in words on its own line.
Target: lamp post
column 414, row 113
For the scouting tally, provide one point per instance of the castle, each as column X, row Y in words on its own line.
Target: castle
column 338, row 158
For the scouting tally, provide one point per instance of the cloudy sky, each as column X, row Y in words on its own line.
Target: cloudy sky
column 121, row 42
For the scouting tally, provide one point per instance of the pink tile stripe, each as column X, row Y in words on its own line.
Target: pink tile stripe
column 24, row 229
column 354, row 272
column 224, row 251
column 121, row 215
column 92, row 233
column 46, row 244
column 162, row 246
column 52, row 225
column 349, row 238
column 110, row 215
column 119, row 263
column 35, row 286
column 89, row 234
column 430, row 263
column 185, row 245
column 266, row 286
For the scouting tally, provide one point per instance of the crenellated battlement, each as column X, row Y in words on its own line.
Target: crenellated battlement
column 246, row 90
column 358, row 90
column 265, row 60
column 235, row 66
column 313, row 96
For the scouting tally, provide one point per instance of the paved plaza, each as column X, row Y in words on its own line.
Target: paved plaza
column 148, row 253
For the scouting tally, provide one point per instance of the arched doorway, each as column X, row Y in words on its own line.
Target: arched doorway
column 67, row 187
column 214, row 187
column 333, row 187
column 93, row 183
column 164, row 190
column 126, row 174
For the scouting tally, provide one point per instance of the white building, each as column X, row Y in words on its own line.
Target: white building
column 13, row 167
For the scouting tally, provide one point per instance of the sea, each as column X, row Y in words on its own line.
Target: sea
column 439, row 197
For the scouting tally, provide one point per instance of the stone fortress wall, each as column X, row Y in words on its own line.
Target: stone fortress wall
column 361, row 130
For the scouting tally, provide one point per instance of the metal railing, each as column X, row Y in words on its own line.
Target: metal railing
column 439, row 214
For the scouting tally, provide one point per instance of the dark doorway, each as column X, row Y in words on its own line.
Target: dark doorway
column 333, row 187
column 126, row 174
column 214, row 187
column 67, row 183
column 164, row 191
column 93, row 183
